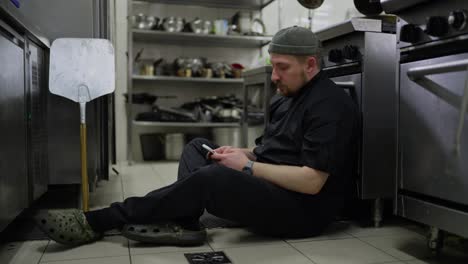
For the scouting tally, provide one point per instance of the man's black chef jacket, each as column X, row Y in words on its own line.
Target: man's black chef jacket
column 317, row 128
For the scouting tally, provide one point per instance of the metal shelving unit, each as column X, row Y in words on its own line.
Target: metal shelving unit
column 192, row 39
column 188, row 39
column 236, row 4
column 185, row 124
column 186, row 79
column 259, row 78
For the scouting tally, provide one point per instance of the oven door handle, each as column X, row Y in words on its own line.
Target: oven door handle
column 453, row 66
column 351, row 86
column 418, row 74
column 346, row 85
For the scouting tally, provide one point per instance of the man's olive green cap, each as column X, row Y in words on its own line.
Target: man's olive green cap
column 295, row 41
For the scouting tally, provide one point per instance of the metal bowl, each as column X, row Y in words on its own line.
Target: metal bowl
column 173, row 24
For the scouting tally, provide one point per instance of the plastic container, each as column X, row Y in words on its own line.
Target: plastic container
column 152, row 146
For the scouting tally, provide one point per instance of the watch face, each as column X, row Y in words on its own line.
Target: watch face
column 247, row 170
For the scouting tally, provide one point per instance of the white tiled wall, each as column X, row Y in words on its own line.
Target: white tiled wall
column 286, row 13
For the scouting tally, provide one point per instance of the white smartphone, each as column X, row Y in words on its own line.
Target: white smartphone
column 208, row 148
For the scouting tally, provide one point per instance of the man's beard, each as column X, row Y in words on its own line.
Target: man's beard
column 284, row 89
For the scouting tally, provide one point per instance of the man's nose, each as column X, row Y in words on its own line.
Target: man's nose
column 274, row 76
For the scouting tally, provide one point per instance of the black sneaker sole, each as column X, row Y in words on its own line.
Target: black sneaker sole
column 155, row 234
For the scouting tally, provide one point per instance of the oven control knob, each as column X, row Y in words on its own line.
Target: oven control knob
column 410, row 33
column 457, row 19
column 351, row 52
column 335, row 55
column 437, row 26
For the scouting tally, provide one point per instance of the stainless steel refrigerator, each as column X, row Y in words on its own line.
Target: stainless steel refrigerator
column 40, row 141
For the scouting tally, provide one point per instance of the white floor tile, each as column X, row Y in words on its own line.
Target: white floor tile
column 105, row 260
column 151, row 176
column 357, row 231
column 341, row 251
column 152, row 181
column 137, row 171
column 447, row 256
column 332, row 236
column 170, row 166
column 98, row 200
column 142, row 186
column 142, row 179
column 22, row 252
column 108, row 247
column 133, row 194
column 162, row 258
column 139, row 248
column 167, row 170
column 440, row 260
column 237, row 237
column 336, row 230
column 266, row 254
column 402, row 247
column 113, row 185
column 169, row 178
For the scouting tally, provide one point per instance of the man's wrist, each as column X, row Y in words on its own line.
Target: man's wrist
column 248, row 167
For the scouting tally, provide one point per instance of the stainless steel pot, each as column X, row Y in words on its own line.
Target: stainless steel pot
column 174, row 145
column 151, row 22
column 173, row 24
column 229, row 113
column 200, row 26
column 227, row 136
column 231, row 136
column 142, row 21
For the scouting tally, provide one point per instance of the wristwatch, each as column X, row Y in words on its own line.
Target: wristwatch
column 248, row 168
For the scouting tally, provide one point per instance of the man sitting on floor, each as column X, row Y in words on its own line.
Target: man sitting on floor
column 292, row 184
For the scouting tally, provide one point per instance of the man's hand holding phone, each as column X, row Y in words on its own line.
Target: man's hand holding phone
column 210, row 150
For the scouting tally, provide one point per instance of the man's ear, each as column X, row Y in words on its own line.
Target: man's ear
column 312, row 64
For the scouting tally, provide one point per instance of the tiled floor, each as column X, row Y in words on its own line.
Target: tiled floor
column 343, row 243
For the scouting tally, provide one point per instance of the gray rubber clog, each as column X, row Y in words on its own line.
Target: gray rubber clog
column 165, row 234
column 67, row 226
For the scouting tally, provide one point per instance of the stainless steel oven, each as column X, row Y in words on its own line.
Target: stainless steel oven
column 360, row 57
column 432, row 182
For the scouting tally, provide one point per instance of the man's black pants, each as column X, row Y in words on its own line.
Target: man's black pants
column 223, row 192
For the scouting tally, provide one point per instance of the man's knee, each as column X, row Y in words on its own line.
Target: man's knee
column 208, row 175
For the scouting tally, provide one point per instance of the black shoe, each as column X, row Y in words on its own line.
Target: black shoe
column 67, row 226
column 165, row 234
